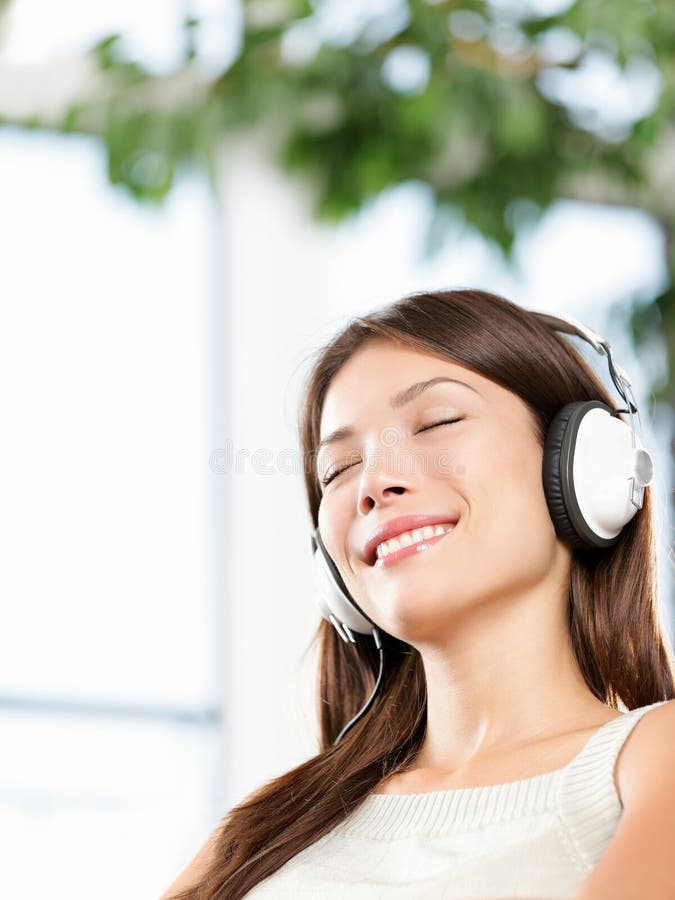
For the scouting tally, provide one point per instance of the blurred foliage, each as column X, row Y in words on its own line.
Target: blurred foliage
column 486, row 103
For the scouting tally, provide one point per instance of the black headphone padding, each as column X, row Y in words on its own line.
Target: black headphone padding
column 557, row 470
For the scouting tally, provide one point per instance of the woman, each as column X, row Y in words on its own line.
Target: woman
column 493, row 757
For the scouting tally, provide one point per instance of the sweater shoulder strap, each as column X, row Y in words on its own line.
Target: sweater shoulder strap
column 589, row 804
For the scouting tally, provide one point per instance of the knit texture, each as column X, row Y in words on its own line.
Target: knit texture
column 534, row 838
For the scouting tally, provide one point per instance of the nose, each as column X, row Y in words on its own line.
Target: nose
column 367, row 501
column 379, row 488
column 387, row 472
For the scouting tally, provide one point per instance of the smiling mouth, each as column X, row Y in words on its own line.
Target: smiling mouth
column 413, row 549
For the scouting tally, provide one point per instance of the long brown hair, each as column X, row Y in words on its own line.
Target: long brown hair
column 613, row 612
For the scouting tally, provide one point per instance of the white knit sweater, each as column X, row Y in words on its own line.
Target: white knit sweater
column 534, row 838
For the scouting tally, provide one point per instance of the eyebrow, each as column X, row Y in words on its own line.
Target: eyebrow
column 397, row 401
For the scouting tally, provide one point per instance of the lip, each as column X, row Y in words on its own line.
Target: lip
column 392, row 558
column 397, row 526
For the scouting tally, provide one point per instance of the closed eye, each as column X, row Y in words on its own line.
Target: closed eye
column 442, row 422
column 327, row 480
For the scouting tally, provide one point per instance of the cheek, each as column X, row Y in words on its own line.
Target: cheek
column 333, row 527
column 530, row 518
column 334, row 520
column 528, row 482
column 503, row 482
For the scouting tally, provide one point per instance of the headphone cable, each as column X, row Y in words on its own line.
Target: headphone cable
column 366, row 706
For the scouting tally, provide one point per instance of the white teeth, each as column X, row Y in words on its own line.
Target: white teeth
column 408, row 538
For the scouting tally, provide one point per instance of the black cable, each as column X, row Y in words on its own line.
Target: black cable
column 364, row 709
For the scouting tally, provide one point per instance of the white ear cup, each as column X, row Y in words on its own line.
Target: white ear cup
column 608, row 473
column 334, row 602
column 593, row 476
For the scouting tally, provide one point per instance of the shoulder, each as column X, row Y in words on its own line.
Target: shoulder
column 639, row 860
column 647, row 757
column 196, row 869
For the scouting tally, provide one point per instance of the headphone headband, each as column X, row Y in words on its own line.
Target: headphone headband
column 569, row 325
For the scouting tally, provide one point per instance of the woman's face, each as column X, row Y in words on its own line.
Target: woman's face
column 485, row 471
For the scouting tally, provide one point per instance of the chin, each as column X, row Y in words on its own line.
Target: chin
column 411, row 625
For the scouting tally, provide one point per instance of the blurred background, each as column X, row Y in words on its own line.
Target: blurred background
column 195, row 196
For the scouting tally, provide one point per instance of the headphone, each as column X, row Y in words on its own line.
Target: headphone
column 595, row 470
